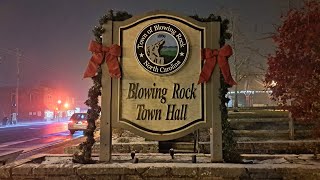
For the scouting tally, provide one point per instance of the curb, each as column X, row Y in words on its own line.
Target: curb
column 48, row 147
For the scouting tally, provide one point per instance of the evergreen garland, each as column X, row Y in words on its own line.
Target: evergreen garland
column 228, row 143
column 230, row 154
column 85, row 154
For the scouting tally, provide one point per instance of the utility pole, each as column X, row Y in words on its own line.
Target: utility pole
column 18, row 55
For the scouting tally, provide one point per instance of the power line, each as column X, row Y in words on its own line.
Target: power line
column 27, row 59
column 2, row 83
column 22, row 59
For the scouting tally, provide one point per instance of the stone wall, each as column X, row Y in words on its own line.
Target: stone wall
column 280, row 147
column 139, row 147
column 157, row 171
column 272, row 147
column 264, row 147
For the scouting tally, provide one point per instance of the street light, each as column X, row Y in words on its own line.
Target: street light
column 58, row 109
column 66, row 105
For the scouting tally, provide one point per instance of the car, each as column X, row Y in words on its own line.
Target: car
column 78, row 122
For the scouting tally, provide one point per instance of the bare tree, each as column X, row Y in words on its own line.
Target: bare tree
column 241, row 57
column 246, row 59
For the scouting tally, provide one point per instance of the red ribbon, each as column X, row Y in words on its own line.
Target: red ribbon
column 211, row 57
column 110, row 55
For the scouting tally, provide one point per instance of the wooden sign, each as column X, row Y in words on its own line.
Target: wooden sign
column 158, row 96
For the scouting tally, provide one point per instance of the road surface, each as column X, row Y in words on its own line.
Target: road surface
column 32, row 137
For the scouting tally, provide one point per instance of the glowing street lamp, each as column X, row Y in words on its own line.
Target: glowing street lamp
column 58, row 108
column 66, row 105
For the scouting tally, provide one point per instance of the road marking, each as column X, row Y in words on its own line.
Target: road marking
column 16, row 142
column 30, row 124
column 41, row 146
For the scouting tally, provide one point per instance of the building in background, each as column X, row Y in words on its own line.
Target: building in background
column 36, row 103
column 251, row 93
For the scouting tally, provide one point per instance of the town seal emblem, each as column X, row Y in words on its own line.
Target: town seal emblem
column 161, row 48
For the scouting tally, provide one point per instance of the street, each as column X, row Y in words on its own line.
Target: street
column 32, row 137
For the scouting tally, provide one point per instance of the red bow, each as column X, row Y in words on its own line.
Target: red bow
column 211, row 57
column 110, row 55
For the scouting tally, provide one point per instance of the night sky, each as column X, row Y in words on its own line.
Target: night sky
column 53, row 35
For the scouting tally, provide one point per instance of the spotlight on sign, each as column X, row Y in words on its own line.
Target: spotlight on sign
column 194, row 158
column 171, row 151
column 133, row 153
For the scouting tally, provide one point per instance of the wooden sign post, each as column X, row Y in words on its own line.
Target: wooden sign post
column 158, row 95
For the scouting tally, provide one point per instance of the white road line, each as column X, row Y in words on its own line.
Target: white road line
column 41, row 146
column 16, row 142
